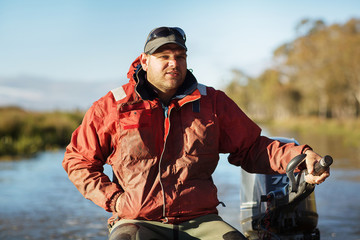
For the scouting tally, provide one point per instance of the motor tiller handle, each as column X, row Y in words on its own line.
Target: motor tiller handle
column 290, row 168
column 322, row 165
column 319, row 167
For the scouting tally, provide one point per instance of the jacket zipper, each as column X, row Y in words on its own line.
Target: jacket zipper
column 166, row 114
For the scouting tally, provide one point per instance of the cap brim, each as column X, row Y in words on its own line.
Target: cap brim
column 155, row 44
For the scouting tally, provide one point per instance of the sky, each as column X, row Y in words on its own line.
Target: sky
column 93, row 40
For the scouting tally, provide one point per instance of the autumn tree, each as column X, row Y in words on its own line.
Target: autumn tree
column 318, row 73
column 324, row 63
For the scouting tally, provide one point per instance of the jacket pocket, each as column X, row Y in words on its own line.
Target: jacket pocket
column 137, row 139
column 135, row 119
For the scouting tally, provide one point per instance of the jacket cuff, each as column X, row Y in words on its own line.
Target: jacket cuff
column 302, row 166
column 113, row 201
column 305, row 148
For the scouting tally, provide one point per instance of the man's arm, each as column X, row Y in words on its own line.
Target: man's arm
column 85, row 156
column 240, row 136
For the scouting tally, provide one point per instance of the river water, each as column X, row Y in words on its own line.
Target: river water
column 37, row 201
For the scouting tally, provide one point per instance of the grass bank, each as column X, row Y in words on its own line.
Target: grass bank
column 24, row 133
column 347, row 130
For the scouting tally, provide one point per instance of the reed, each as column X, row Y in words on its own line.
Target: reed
column 24, row 133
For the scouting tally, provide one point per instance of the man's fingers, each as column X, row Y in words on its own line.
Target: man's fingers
column 309, row 178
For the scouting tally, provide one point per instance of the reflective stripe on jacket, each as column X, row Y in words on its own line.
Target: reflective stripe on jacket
column 163, row 157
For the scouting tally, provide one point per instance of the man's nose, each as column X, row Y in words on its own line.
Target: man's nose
column 172, row 62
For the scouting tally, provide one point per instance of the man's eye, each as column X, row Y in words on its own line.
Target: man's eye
column 181, row 57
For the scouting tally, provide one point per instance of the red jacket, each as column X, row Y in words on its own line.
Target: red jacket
column 163, row 157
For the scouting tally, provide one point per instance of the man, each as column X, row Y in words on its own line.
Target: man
column 162, row 134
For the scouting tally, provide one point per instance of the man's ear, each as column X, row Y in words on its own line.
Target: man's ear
column 144, row 59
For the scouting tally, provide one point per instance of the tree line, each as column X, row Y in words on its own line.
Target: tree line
column 316, row 74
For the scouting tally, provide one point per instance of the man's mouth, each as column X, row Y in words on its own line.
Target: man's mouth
column 173, row 73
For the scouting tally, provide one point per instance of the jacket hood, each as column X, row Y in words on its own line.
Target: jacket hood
column 133, row 67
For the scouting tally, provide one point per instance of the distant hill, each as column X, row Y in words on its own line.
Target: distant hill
column 46, row 94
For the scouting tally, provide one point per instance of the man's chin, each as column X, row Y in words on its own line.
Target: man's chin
column 175, row 79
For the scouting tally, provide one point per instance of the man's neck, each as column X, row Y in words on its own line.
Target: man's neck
column 165, row 97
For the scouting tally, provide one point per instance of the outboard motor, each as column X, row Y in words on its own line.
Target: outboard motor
column 274, row 207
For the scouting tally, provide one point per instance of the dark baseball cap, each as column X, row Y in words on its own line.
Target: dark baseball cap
column 164, row 35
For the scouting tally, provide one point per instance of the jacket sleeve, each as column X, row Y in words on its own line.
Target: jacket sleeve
column 85, row 156
column 241, row 137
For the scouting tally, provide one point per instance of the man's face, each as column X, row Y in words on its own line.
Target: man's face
column 166, row 68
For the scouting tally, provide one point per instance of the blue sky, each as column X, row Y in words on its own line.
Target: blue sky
column 88, row 40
